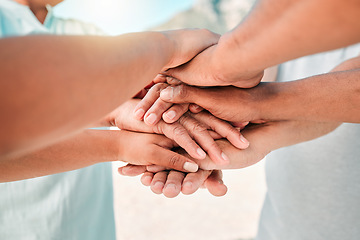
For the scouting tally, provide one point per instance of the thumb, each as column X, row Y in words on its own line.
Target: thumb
column 187, row 94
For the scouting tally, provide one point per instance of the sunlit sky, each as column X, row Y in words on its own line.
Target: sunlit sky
column 120, row 16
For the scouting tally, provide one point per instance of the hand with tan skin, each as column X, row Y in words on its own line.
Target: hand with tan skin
column 274, row 32
column 273, row 101
column 193, row 132
column 92, row 73
column 264, row 138
column 172, row 182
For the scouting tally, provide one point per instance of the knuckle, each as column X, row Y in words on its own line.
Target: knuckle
column 199, row 128
column 174, row 160
column 178, row 130
column 231, row 130
column 213, row 146
column 182, row 91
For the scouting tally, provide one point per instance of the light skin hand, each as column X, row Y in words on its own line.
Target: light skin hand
column 111, row 71
column 154, row 149
column 151, row 108
column 263, row 142
column 203, row 71
column 171, row 183
column 201, row 127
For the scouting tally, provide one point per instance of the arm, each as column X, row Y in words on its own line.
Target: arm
column 191, row 132
column 81, row 77
column 95, row 146
column 273, row 32
column 334, row 96
column 263, row 142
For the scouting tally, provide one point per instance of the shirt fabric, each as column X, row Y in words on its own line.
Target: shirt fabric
column 313, row 187
column 71, row 205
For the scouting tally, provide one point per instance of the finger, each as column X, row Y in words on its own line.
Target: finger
column 240, row 125
column 132, row 170
column 173, row 184
column 181, row 136
column 158, row 182
column 160, row 78
column 167, row 158
column 163, row 78
column 187, row 94
column 193, row 181
column 223, row 128
column 147, row 178
column 155, row 168
column 199, row 132
column 149, row 99
column 175, row 112
column 154, row 113
column 194, row 108
column 215, row 184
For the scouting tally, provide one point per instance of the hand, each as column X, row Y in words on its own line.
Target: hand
column 187, row 43
column 170, row 183
column 229, row 103
column 202, row 127
column 148, row 149
column 206, row 69
column 264, row 138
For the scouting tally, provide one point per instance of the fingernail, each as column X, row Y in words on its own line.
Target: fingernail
column 224, row 157
column 139, row 113
column 159, row 185
column 151, row 118
column 147, row 179
column 171, row 114
column 244, row 141
column 188, row 185
column 201, row 153
column 171, row 186
column 191, row 167
column 167, row 94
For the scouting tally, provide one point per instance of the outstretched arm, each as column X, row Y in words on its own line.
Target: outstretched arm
column 52, row 86
column 95, row 146
column 334, row 96
column 273, row 32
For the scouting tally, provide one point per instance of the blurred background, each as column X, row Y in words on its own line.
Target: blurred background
column 140, row 214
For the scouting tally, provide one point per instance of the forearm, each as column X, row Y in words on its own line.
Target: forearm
column 53, row 85
column 329, row 97
column 268, row 137
column 279, row 30
column 84, row 149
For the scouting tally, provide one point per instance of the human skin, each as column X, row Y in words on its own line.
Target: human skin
column 274, row 31
column 81, row 77
column 264, row 138
column 94, row 146
column 154, row 108
column 193, row 132
column 90, row 147
column 334, row 96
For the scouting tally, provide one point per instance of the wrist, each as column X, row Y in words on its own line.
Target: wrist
column 231, row 62
column 266, row 99
column 168, row 47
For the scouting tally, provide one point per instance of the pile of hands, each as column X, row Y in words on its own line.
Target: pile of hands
column 196, row 119
column 177, row 145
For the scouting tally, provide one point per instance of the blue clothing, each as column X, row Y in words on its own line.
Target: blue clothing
column 72, row 205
